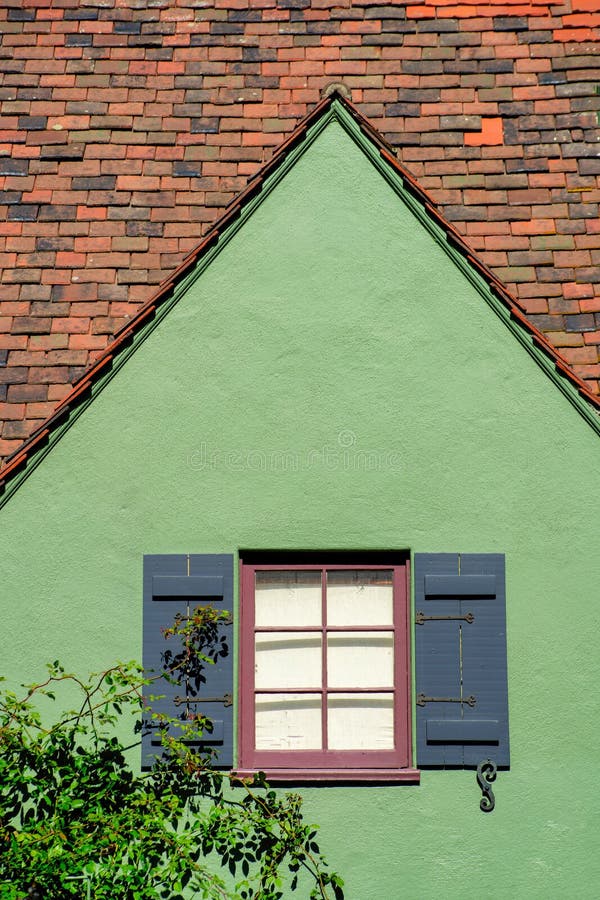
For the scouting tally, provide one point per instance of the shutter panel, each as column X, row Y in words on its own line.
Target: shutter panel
column 178, row 584
column 458, row 659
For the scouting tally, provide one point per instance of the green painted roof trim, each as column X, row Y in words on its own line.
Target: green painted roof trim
column 339, row 113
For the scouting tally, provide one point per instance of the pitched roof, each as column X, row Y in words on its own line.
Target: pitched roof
column 124, row 130
column 83, row 385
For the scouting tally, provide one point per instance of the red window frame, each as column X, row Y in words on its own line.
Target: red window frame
column 324, row 765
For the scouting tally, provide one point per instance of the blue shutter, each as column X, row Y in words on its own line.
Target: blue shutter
column 461, row 660
column 178, row 584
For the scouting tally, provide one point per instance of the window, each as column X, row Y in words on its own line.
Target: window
column 324, row 688
column 324, row 674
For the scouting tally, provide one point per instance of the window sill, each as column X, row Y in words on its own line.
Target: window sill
column 339, row 776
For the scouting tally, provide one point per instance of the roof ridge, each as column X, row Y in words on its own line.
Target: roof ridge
column 147, row 311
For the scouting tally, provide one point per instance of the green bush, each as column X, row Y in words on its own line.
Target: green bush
column 78, row 820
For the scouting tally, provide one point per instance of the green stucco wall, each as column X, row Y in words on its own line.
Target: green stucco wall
column 333, row 329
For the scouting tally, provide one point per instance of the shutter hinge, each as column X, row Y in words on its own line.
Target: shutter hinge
column 420, row 618
column 422, row 700
column 226, row 700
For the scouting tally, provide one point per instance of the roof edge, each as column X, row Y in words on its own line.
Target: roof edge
column 80, row 394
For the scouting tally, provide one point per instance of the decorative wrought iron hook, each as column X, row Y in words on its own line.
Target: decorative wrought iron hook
column 486, row 773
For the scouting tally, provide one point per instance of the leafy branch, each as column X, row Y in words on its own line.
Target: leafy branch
column 74, row 812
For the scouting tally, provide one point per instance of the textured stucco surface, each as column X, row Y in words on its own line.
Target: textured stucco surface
column 330, row 327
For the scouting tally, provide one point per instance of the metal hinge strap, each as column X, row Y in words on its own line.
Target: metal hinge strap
column 226, row 700
column 421, row 617
column 422, row 700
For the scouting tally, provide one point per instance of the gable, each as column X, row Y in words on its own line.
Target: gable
column 337, row 109
column 330, row 303
column 329, row 309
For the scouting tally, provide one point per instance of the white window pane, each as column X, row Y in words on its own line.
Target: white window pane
column 288, row 722
column 287, row 598
column 360, row 659
column 288, row 660
column 360, row 721
column 360, row 597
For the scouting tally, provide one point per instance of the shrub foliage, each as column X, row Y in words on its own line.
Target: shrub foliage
column 79, row 819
